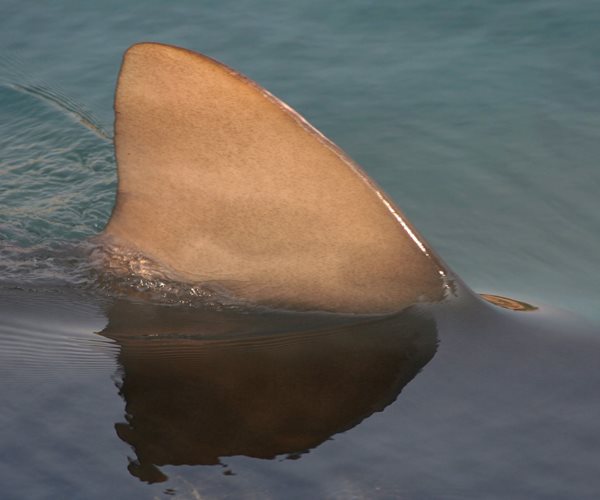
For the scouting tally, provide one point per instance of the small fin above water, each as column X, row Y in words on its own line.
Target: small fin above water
column 220, row 181
column 508, row 303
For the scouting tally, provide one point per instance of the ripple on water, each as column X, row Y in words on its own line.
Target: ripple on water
column 40, row 332
column 58, row 177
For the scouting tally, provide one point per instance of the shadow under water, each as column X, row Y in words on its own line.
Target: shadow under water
column 200, row 385
column 507, row 403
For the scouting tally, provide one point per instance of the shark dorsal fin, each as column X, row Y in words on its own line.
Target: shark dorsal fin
column 219, row 181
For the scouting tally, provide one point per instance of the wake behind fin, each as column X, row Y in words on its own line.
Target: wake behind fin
column 221, row 182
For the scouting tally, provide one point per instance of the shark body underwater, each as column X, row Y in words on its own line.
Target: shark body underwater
column 343, row 303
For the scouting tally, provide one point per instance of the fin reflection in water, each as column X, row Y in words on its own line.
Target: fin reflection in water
column 201, row 385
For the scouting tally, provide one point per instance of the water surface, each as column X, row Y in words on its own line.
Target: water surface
column 480, row 120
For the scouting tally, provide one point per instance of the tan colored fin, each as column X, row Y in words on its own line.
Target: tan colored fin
column 220, row 181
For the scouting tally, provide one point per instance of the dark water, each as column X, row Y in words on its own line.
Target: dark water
column 139, row 400
column 480, row 119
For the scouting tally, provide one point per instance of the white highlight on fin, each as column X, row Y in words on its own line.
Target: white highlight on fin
column 403, row 224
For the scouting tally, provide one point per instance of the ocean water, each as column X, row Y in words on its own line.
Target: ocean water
column 481, row 119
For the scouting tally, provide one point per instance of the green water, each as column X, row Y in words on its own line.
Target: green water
column 481, row 120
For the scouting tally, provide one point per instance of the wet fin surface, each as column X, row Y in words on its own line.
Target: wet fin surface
column 219, row 181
